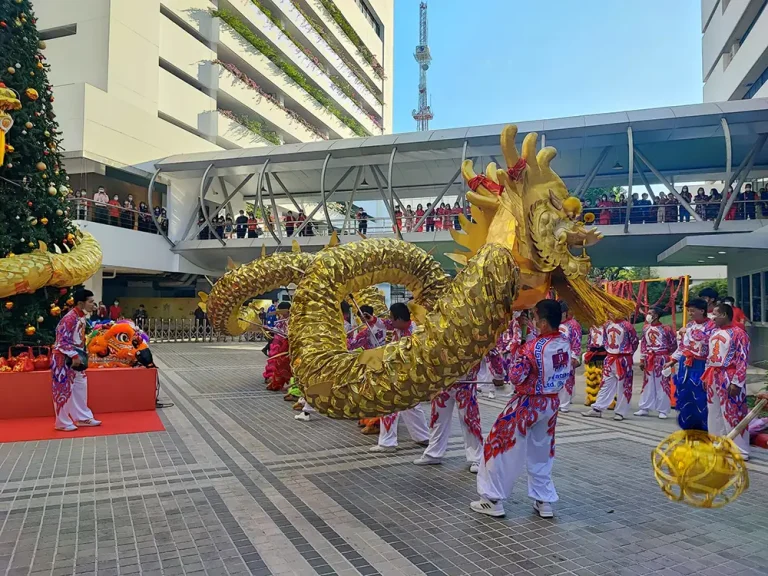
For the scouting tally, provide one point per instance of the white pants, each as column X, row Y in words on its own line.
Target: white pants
column 719, row 426
column 76, row 408
column 414, row 420
column 305, row 407
column 565, row 397
column 614, row 386
column 515, row 443
column 655, row 396
column 464, row 397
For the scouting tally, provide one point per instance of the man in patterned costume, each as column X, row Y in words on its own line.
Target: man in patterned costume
column 400, row 325
column 571, row 329
column 725, row 377
column 620, row 342
column 277, row 372
column 70, row 384
column 462, row 395
column 524, row 433
column 690, row 358
column 657, row 344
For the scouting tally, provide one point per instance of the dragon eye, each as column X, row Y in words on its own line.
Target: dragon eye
column 122, row 338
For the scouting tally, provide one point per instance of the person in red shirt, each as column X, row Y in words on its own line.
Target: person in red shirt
column 739, row 317
column 455, row 212
column 114, row 211
column 115, row 312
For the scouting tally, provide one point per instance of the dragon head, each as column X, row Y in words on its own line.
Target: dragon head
column 527, row 208
column 121, row 344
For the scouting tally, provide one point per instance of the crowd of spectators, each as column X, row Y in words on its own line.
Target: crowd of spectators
column 116, row 212
column 748, row 205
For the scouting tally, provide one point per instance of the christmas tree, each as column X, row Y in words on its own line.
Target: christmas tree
column 33, row 183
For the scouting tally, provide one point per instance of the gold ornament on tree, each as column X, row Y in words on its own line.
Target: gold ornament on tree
column 30, row 330
column 41, row 166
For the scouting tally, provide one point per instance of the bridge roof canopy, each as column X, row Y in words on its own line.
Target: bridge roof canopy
column 679, row 141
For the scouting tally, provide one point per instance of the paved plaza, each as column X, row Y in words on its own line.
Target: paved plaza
column 236, row 486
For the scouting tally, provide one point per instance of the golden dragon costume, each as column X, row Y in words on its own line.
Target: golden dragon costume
column 26, row 273
column 517, row 248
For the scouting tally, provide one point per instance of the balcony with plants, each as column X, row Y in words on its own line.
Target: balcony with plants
column 244, row 98
column 329, row 22
column 348, row 77
column 234, row 50
column 260, row 33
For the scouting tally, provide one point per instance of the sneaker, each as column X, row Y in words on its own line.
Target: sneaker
column 383, row 449
column 592, row 414
column 483, row 506
column 90, row 423
column 641, row 412
column 423, row 443
column 543, row 509
column 303, row 416
column 474, row 467
column 564, row 409
column 492, row 394
column 70, row 428
column 425, row 460
column 662, row 416
column 618, row 417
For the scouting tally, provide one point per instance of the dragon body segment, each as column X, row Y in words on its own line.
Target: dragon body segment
column 401, row 374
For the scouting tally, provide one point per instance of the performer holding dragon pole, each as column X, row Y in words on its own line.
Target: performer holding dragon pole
column 657, row 343
column 690, row 359
column 523, row 435
column 70, row 384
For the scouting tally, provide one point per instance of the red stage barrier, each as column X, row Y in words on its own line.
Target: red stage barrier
column 28, row 394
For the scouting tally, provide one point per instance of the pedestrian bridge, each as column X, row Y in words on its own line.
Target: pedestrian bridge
column 639, row 246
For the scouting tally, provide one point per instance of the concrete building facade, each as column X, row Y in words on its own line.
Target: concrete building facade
column 138, row 80
column 734, row 49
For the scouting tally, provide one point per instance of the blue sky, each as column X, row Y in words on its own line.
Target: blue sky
column 500, row 61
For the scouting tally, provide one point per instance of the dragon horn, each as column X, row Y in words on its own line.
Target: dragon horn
column 508, row 146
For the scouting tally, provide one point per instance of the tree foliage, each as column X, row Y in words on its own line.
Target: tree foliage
column 33, row 182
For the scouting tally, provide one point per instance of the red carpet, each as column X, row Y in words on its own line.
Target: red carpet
column 30, row 429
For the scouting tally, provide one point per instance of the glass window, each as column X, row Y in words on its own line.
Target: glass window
column 742, row 295
column 757, row 299
column 765, row 300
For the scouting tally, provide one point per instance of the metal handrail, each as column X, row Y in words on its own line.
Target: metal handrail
column 191, row 330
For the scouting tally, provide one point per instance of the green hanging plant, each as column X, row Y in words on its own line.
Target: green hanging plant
column 289, row 69
column 350, row 33
column 256, row 126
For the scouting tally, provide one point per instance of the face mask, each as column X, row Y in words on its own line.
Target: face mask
column 648, row 318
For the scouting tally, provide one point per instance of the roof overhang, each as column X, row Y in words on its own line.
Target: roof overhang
column 678, row 141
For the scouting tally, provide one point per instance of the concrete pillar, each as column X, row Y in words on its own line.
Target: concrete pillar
column 96, row 285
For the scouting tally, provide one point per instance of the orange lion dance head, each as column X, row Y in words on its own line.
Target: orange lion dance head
column 120, row 345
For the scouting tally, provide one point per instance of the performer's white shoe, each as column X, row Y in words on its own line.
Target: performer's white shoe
column 564, row 409
column 383, row 449
column 618, row 417
column 483, row 506
column 662, row 416
column 303, row 416
column 474, row 467
column 544, row 509
column 90, row 423
column 492, row 394
column 641, row 412
column 70, row 428
column 592, row 414
column 425, row 460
